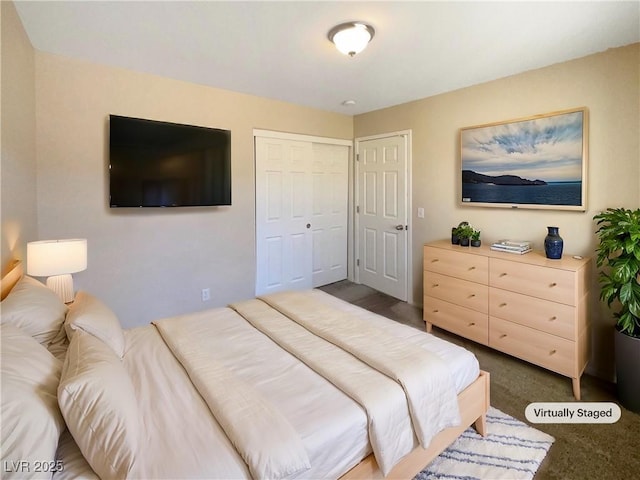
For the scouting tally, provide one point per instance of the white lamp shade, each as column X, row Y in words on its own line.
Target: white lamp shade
column 351, row 38
column 56, row 257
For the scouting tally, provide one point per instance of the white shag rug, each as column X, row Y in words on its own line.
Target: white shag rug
column 511, row 450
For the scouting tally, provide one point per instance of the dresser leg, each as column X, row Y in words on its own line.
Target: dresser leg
column 429, row 327
column 576, row 387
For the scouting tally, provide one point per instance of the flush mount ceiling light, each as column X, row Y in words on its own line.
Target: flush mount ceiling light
column 351, row 37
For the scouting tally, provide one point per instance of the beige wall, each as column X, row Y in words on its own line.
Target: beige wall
column 608, row 84
column 151, row 263
column 18, row 135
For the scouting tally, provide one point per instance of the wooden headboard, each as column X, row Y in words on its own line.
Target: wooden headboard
column 14, row 274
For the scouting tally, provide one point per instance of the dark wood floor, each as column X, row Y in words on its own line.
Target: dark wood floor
column 581, row 451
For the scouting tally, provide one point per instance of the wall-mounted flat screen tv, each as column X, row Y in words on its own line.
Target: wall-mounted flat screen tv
column 161, row 164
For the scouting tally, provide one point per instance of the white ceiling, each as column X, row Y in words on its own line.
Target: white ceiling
column 280, row 50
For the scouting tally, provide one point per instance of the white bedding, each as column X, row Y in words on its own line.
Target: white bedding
column 259, row 431
column 382, row 399
column 181, row 439
column 196, row 443
column 423, row 376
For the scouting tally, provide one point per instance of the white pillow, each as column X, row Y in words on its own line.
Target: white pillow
column 31, row 419
column 91, row 315
column 34, row 308
column 98, row 403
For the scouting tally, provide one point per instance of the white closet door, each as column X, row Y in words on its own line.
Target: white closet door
column 301, row 214
column 283, row 183
column 329, row 213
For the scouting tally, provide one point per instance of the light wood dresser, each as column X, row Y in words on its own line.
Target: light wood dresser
column 527, row 305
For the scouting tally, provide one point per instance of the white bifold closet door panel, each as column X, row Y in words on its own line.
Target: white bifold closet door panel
column 301, row 214
column 329, row 204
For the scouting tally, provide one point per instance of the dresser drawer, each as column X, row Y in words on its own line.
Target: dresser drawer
column 533, row 280
column 543, row 349
column 467, row 266
column 459, row 320
column 551, row 317
column 461, row 292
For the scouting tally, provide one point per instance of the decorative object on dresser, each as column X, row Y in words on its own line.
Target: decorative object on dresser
column 464, row 234
column 619, row 252
column 457, row 232
column 553, row 243
column 475, row 238
column 512, row 246
column 523, row 305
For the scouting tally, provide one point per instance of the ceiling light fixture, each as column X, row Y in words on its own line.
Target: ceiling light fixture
column 351, row 37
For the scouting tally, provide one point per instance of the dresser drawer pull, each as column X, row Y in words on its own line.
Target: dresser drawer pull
column 471, row 324
column 503, row 335
column 472, row 268
column 552, row 352
column 503, row 274
column 435, row 285
column 434, row 311
column 472, row 295
column 502, row 305
column 553, row 285
column 553, row 318
column 434, row 260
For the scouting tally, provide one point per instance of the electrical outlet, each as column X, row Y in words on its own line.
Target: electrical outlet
column 206, row 294
column 420, row 212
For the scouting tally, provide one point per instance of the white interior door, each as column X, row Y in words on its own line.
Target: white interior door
column 301, row 213
column 382, row 214
column 283, row 242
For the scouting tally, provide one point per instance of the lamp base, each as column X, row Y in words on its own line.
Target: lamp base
column 62, row 285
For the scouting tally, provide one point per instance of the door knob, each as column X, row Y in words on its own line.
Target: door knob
column 399, row 227
column 308, row 225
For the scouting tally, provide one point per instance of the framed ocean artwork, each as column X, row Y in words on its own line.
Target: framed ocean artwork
column 534, row 162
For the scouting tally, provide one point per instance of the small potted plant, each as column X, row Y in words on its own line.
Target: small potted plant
column 475, row 238
column 619, row 253
column 455, row 232
column 465, row 232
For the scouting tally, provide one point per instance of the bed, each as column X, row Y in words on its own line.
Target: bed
column 283, row 386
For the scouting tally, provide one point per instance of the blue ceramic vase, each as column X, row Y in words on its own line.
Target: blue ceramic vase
column 553, row 244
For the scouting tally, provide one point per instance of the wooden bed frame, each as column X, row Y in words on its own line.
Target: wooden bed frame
column 14, row 273
column 473, row 402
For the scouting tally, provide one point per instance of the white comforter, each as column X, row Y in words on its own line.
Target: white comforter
column 262, row 435
column 378, row 370
column 182, row 439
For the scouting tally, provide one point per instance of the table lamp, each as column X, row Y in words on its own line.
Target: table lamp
column 57, row 260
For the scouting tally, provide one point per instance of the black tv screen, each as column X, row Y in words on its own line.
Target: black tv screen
column 161, row 164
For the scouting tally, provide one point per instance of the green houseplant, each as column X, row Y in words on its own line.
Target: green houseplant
column 475, row 238
column 618, row 252
column 456, row 231
column 464, row 233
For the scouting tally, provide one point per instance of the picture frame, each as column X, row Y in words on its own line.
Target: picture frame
column 537, row 162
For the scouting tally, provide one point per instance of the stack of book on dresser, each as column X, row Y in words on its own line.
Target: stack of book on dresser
column 512, row 246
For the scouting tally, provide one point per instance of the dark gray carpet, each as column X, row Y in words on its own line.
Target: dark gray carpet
column 581, row 451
